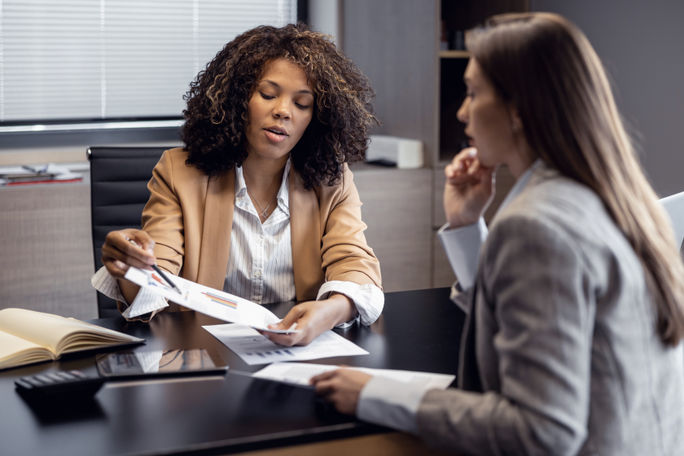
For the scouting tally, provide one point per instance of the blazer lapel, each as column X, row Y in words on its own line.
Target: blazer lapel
column 305, row 231
column 217, row 225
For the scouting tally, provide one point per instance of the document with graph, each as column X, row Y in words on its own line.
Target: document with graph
column 206, row 300
column 255, row 348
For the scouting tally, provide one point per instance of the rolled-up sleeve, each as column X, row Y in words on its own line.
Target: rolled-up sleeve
column 368, row 299
column 145, row 301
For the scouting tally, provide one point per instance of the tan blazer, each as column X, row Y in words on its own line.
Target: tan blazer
column 190, row 217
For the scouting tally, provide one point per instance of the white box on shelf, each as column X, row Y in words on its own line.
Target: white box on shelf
column 404, row 152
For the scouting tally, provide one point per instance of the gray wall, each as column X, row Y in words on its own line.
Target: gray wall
column 642, row 46
column 394, row 43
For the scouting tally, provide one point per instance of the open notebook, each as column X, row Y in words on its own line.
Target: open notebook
column 28, row 336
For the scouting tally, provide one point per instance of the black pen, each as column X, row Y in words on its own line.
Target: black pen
column 165, row 277
column 158, row 269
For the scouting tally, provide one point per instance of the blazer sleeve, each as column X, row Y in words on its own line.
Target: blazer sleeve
column 344, row 250
column 162, row 217
column 534, row 284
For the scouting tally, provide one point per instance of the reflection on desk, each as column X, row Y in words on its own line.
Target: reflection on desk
column 419, row 330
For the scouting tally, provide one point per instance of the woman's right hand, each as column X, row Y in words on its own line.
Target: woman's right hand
column 468, row 190
column 127, row 247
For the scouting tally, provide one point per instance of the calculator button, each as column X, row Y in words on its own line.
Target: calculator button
column 64, row 375
column 44, row 379
column 53, row 376
column 24, row 383
column 33, row 381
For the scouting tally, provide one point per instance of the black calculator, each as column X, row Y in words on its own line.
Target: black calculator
column 59, row 385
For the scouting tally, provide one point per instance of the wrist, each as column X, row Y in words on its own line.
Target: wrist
column 128, row 290
column 459, row 222
column 345, row 310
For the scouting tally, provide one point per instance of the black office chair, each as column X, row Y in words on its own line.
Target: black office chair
column 118, row 193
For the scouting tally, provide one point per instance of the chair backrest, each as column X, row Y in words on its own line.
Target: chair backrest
column 118, row 193
column 674, row 206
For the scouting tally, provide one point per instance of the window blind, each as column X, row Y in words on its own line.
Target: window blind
column 115, row 59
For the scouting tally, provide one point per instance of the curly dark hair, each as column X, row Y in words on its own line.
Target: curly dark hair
column 216, row 114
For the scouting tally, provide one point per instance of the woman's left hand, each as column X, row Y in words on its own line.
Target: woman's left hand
column 311, row 318
column 342, row 387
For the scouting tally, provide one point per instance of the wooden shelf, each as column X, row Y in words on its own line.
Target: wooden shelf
column 454, row 54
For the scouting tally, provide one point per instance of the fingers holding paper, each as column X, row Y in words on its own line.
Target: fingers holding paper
column 342, row 387
column 468, row 190
column 305, row 318
column 127, row 247
column 312, row 318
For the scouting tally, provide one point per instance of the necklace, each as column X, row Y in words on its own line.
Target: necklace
column 262, row 212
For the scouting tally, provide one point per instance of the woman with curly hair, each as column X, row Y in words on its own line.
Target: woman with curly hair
column 260, row 201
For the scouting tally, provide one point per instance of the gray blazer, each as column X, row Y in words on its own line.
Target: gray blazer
column 559, row 353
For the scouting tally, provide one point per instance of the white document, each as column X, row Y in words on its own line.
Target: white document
column 254, row 348
column 300, row 373
column 206, row 300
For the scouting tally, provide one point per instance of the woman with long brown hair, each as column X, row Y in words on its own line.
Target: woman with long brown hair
column 576, row 309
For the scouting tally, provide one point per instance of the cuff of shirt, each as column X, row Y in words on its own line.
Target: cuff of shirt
column 462, row 247
column 368, row 299
column 391, row 403
column 144, row 302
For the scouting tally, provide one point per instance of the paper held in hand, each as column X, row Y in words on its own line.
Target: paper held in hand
column 206, row 300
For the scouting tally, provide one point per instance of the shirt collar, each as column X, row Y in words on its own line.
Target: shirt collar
column 283, row 196
column 520, row 184
column 283, row 191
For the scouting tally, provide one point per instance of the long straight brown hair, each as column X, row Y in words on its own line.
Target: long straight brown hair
column 544, row 66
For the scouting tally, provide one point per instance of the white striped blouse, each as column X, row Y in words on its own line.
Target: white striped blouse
column 260, row 263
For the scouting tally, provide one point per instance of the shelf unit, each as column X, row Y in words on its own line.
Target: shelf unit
column 457, row 16
column 419, row 88
column 454, row 54
column 452, row 137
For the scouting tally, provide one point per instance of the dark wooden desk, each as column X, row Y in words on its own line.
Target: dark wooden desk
column 419, row 330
